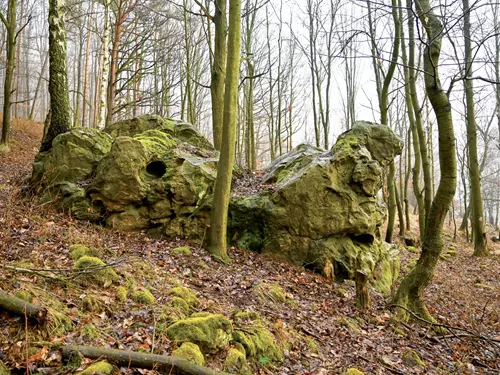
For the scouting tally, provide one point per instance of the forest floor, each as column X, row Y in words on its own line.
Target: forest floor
column 325, row 332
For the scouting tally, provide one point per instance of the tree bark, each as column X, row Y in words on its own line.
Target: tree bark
column 413, row 285
column 35, row 313
column 218, row 219
column 60, row 120
column 167, row 364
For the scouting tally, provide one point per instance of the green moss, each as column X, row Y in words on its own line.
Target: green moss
column 186, row 294
column 104, row 276
column 78, row 250
column 24, row 295
column 156, row 141
column 191, row 352
column 4, row 370
column 184, row 250
column 412, row 249
column 143, row 296
column 411, row 358
column 101, row 367
column 236, row 363
column 254, row 337
column 270, row 292
column 353, row 371
column 91, row 331
column 212, row 331
column 349, row 323
column 121, row 294
column 92, row 304
column 176, row 309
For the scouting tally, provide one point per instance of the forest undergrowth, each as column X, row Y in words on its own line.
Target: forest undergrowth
column 315, row 321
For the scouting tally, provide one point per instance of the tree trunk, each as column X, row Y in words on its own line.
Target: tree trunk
column 60, row 120
column 126, row 358
column 476, row 199
column 218, row 219
column 101, row 121
column 10, row 25
column 86, row 69
column 412, row 287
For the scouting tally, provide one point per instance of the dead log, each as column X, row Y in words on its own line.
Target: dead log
column 127, row 358
column 35, row 313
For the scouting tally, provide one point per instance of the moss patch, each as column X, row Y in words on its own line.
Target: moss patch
column 183, row 250
column 236, row 362
column 412, row 359
column 191, row 352
column 270, row 292
column 121, row 294
column 78, row 250
column 92, row 304
column 143, row 296
column 101, row 367
column 186, row 294
column 353, row 371
column 4, row 369
column 257, row 340
column 24, row 295
column 96, row 270
column 211, row 331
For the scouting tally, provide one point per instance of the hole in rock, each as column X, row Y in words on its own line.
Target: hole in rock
column 363, row 238
column 156, row 168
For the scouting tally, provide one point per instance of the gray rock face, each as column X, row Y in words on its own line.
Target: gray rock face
column 156, row 174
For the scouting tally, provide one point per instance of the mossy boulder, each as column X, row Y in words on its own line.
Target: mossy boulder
column 101, row 367
column 185, row 294
column 236, row 362
column 324, row 210
column 191, row 352
column 95, row 270
column 77, row 251
column 121, row 294
column 143, row 296
column 255, row 338
column 209, row 331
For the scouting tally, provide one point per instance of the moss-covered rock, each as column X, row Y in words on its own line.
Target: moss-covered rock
column 183, row 250
column 96, row 270
column 325, row 210
column 256, row 339
column 185, row 294
column 191, row 352
column 209, row 331
column 121, row 294
column 143, row 296
column 101, row 367
column 76, row 251
column 236, row 362
column 411, row 358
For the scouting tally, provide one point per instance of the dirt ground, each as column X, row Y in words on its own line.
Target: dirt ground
column 319, row 324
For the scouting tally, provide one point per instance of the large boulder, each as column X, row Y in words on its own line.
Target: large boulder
column 324, row 211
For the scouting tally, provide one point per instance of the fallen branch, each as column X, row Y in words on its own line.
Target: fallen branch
column 17, row 306
column 169, row 364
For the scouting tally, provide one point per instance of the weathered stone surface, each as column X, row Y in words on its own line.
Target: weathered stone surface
column 324, row 209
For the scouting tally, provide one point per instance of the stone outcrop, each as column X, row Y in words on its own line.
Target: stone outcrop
column 156, row 174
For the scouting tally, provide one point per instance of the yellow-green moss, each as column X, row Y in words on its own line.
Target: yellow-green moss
column 24, row 295
column 175, row 310
column 143, row 296
column 4, row 369
column 412, row 249
column 92, row 304
column 121, row 294
column 353, row 371
column 184, row 250
column 209, row 332
column 270, row 292
column 101, row 367
column 236, row 362
column 103, row 276
column 191, row 352
column 91, row 331
column 411, row 358
column 255, row 338
column 78, row 250
column 348, row 322
column 186, row 294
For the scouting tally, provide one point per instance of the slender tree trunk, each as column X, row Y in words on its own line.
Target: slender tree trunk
column 478, row 233
column 412, row 287
column 10, row 25
column 101, row 120
column 86, row 69
column 218, row 219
